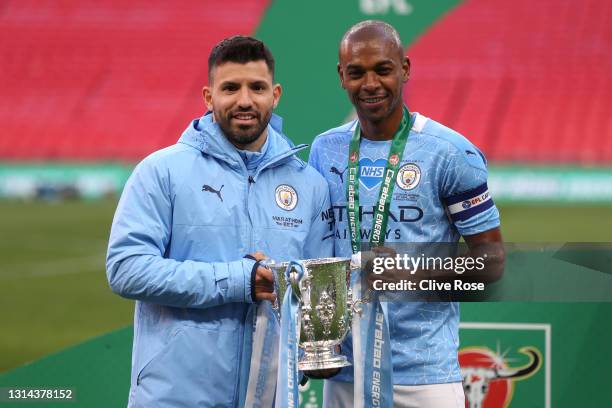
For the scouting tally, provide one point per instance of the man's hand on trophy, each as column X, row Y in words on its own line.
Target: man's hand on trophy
column 258, row 256
column 262, row 280
column 264, row 284
column 322, row 374
column 375, row 268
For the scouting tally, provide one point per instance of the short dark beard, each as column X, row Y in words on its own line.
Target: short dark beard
column 246, row 136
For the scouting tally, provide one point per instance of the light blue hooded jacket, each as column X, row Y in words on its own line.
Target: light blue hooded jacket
column 187, row 216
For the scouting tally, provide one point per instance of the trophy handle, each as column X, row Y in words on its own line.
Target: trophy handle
column 355, row 261
column 354, row 308
column 267, row 263
column 293, row 274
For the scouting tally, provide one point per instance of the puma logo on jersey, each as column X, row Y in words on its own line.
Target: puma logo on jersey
column 209, row 189
column 338, row 172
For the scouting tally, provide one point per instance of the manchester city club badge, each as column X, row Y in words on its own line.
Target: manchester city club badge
column 408, row 176
column 286, row 197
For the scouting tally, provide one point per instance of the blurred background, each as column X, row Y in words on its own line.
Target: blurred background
column 90, row 88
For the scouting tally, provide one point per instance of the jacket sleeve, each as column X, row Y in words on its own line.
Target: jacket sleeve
column 320, row 241
column 136, row 265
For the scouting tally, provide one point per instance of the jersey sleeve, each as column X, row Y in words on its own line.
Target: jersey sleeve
column 465, row 192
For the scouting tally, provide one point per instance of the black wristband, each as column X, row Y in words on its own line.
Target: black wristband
column 253, row 275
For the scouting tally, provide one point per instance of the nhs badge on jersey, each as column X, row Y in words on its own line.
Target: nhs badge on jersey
column 286, row 197
column 408, row 176
column 371, row 172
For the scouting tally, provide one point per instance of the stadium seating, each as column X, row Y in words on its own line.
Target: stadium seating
column 84, row 80
column 98, row 80
column 526, row 81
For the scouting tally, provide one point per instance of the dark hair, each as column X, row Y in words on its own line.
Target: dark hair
column 239, row 49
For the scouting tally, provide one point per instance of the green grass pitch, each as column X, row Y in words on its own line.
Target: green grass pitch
column 53, row 290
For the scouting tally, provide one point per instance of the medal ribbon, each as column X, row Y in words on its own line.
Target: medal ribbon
column 381, row 210
column 373, row 373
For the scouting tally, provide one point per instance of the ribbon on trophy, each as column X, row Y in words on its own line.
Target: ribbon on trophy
column 373, row 368
column 287, row 380
column 261, row 345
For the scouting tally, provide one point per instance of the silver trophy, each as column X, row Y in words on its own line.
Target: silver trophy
column 326, row 308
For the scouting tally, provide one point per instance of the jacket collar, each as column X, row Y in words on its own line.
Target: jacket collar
column 206, row 136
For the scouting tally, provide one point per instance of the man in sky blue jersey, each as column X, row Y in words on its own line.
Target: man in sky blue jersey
column 193, row 222
column 437, row 171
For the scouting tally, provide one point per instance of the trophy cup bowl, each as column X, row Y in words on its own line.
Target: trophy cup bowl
column 325, row 305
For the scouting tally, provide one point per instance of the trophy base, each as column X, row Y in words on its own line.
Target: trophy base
column 322, row 359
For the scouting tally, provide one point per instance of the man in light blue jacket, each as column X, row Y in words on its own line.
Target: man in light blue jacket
column 193, row 222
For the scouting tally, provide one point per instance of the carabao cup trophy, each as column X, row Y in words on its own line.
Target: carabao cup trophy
column 325, row 304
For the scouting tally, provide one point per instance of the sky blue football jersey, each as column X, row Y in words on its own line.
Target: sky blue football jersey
column 440, row 194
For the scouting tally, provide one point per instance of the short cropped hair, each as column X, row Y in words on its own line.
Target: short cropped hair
column 239, row 49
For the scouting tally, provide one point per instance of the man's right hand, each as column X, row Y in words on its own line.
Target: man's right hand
column 264, row 280
column 264, row 284
column 389, row 275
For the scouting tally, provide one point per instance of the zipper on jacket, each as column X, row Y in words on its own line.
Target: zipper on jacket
column 250, row 180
